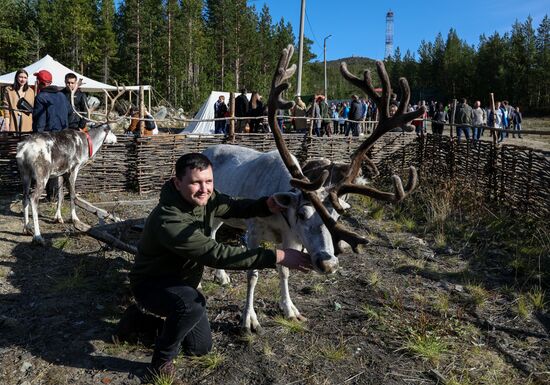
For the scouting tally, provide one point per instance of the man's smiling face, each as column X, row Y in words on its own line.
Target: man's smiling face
column 196, row 185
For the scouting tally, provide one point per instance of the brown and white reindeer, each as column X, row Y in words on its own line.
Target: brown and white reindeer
column 58, row 154
column 312, row 206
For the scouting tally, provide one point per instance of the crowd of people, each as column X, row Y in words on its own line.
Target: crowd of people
column 44, row 107
column 356, row 117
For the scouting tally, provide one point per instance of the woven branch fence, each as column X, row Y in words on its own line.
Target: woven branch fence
column 517, row 177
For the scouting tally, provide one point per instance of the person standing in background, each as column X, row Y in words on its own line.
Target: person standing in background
column 18, row 103
column 76, row 121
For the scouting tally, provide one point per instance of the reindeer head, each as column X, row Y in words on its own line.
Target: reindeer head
column 323, row 197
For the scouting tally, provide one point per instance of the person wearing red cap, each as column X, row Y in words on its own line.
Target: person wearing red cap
column 51, row 108
column 50, row 113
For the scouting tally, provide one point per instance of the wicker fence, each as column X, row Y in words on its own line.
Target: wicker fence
column 514, row 176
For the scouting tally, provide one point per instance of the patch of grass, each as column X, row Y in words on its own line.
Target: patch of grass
column 291, row 326
column 522, row 307
column 209, row 287
column 119, row 348
column 208, row 362
column 61, row 243
column 441, row 303
column 426, row 346
column 334, row 353
column 318, row 288
column 478, row 294
column 163, row 379
column 406, row 223
column 377, row 213
column 537, row 298
column 374, row 279
column 440, row 240
column 370, row 312
column 267, row 350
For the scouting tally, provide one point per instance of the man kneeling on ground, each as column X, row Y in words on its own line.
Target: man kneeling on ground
column 176, row 245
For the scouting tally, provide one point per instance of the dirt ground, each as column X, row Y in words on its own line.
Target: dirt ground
column 400, row 312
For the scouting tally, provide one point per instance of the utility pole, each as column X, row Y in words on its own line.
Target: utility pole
column 301, row 50
column 325, row 60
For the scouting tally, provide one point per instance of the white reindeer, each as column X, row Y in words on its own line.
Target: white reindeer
column 57, row 154
column 312, row 207
column 47, row 155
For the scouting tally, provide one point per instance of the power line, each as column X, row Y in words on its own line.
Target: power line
column 313, row 33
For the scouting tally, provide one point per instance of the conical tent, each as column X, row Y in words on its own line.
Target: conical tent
column 58, row 72
column 207, row 112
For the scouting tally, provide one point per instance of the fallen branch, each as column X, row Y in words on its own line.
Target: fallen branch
column 101, row 214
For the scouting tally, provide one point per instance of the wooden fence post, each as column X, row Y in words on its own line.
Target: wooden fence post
column 141, row 123
column 493, row 111
column 232, row 116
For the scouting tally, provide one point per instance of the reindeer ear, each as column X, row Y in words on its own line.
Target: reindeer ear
column 285, row 199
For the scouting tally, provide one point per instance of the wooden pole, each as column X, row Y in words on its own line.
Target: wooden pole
column 141, row 124
column 493, row 111
column 232, row 113
column 453, row 118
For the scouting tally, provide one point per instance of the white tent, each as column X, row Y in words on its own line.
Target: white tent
column 58, row 72
column 207, row 112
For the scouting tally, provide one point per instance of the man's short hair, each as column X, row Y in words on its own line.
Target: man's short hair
column 464, row 100
column 70, row 75
column 191, row 160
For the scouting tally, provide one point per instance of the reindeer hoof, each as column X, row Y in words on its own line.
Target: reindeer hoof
column 59, row 220
column 27, row 230
column 38, row 240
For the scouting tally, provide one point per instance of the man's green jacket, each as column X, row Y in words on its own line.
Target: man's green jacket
column 176, row 239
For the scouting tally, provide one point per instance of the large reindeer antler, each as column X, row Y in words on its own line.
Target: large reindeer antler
column 386, row 122
column 346, row 185
column 121, row 90
column 299, row 180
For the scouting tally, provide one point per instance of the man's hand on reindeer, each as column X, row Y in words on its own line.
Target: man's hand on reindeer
column 273, row 206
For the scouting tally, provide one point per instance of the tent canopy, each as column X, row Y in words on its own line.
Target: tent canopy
column 58, row 72
column 207, row 112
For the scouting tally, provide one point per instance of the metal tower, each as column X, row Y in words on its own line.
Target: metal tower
column 389, row 34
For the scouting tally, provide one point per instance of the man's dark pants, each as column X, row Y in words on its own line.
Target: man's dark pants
column 186, row 327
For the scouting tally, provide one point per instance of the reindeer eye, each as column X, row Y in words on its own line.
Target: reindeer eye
column 301, row 215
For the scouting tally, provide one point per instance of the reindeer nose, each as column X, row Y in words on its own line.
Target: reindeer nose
column 326, row 263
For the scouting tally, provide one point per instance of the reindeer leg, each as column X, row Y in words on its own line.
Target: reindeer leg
column 72, row 194
column 249, row 321
column 287, row 306
column 58, row 218
column 249, row 318
column 219, row 274
column 35, row 197
column 26, row 192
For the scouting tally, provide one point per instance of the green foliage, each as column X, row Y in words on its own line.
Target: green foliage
column 187, row 48
column 427, row 346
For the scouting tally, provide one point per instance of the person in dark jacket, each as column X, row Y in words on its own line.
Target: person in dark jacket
column 220, row 111
column 76, row 122
column 355, row 115
column 174, row 248
column 241, row 111
column 463, row 118
column 50, row 113
column 51, row 109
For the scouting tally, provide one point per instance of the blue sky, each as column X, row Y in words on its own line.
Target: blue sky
column 358, row 27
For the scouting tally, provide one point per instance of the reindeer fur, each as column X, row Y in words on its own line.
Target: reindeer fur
column 55, row 154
